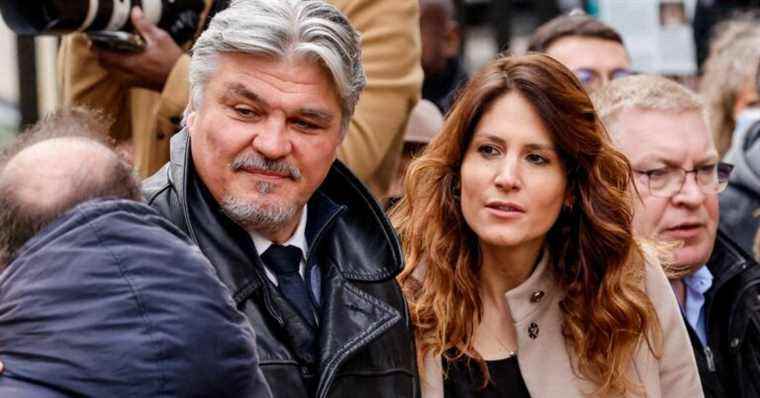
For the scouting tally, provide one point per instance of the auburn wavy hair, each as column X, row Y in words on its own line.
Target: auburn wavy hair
column 595, row 259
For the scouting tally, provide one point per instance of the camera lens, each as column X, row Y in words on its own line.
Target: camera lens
column 178, row 17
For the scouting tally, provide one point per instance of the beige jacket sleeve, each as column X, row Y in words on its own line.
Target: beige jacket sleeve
column 152, row 152
column 149, row 117
column 84, row 82
column 391, row 57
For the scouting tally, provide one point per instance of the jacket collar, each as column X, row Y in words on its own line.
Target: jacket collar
column 534, row 293
column 363, row 243
column 726, row 260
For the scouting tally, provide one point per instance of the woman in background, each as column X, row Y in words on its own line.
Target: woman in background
column 523, row 277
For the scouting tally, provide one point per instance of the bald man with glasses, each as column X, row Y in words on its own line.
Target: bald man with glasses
column 661, row 127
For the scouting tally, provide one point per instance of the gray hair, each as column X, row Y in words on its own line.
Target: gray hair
column 646, row 92
column 280, row 29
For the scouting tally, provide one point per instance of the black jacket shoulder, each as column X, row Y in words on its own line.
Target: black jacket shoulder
column 733, row 313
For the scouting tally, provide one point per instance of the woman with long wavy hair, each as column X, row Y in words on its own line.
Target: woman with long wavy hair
column 523, row 277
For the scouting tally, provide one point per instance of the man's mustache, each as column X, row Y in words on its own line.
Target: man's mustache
column 258, row 162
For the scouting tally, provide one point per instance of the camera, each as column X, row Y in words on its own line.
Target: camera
column 179, row 18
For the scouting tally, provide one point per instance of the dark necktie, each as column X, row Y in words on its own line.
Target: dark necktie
column 285, row 261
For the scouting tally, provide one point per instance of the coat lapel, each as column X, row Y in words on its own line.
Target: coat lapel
column 353, row 318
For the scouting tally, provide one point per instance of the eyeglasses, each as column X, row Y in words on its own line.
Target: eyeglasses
column 668, row 181
column 592, row 79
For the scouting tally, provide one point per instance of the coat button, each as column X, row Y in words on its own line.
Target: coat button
column 533, row 330
column 537, row 296
column 735, row 342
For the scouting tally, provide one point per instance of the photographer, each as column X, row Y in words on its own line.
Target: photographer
column 146, row 92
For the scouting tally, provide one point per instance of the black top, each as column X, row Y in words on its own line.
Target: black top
column 464, row 379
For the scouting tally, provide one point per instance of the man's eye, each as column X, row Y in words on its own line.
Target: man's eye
column 658, row 173
column 305, row 125
column 245, row 111
column 710, row 168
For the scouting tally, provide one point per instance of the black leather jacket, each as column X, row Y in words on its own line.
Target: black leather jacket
column 365, row 343
column 730, row 364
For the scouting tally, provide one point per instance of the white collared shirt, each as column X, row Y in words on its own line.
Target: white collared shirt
column 298, row 240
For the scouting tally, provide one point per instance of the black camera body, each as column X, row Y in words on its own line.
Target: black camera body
column 179, row 18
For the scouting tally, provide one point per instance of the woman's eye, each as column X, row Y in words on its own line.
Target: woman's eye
column 537, row 159
column 488, row 150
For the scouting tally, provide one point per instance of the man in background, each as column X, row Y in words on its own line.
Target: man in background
column 441, row 58
column 99, row 295
column 661, row 127
column 39, row 183
column 424, row 124
column 593, row 50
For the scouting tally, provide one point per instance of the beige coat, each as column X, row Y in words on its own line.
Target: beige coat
column 544, row 360
column 391, row 53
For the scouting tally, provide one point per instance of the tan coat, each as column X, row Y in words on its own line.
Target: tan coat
column 391, row 52
column 544, row 360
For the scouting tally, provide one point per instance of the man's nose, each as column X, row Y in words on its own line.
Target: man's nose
column 272, row 139
column 690, row 194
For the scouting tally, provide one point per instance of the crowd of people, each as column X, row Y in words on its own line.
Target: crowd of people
column 316, row 200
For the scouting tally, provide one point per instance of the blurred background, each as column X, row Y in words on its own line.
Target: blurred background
column 663, row 36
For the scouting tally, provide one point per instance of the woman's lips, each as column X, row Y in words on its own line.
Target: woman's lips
column 506, row 210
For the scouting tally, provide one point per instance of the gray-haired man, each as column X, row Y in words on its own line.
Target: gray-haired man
column 661, row 126
column 253, row 180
